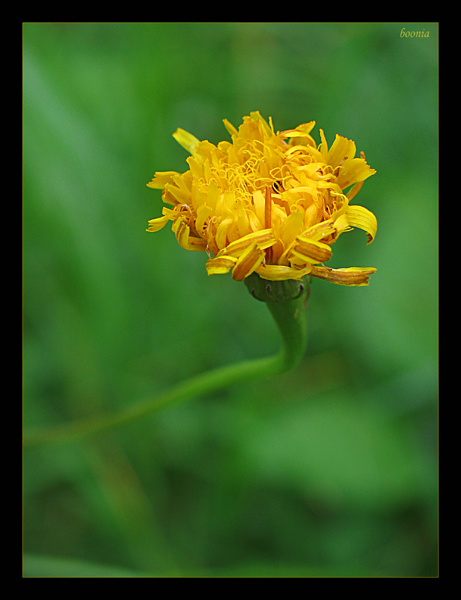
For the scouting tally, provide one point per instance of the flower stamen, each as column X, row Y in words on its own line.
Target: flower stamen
column 268, row 220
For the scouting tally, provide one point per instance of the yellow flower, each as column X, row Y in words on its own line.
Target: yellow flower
column 268, row 202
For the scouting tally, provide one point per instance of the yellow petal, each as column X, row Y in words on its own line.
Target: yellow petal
column 320, row 231
column 263, row 239
column 355, row 170
column 305, row 128
column 186, row 139
column 311, row 251
column 161, row 178
column 230, row 128
column 281, row 272
column 291, row 227
column 185, row 240
column 248, row 262
column 356, row 276
column 180, row 196
column 220, row 265
column 262, row 123
column 221, row 233
column 157, row 224
column 358, row 216
column 196, row 167
column 196, row 244
column 341, row 225
column 181, row 230
column 323, row 147
column 355, row 189
column 203, row 213
column 341, row 149
column 299, row 137
column 243, row 221
column 260, row 206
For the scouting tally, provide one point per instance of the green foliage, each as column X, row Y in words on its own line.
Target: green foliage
column 330, row 470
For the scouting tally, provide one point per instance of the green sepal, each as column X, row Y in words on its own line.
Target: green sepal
column 277, row 291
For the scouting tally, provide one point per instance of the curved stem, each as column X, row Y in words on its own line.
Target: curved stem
column 290, row 318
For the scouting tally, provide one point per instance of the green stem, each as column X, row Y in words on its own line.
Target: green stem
column 287, row 301
column 289, row 314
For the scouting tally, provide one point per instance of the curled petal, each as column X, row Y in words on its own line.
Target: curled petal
column 355, row 170
column 248, row 262
column 281, row 272
column 185, row 240
column 300, row 135
column 341, row 225
column 300, row 131
column 357, row 276
column 358, row 216
column 181, row 230
column 220, row 265
column 311, row 251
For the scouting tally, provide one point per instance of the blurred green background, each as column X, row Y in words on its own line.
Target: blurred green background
column 328, row 471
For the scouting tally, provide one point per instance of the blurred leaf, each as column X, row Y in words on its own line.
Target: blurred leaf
column 52, row 567
column 341, row 450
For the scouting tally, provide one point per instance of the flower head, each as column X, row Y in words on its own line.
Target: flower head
column 268, row 202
